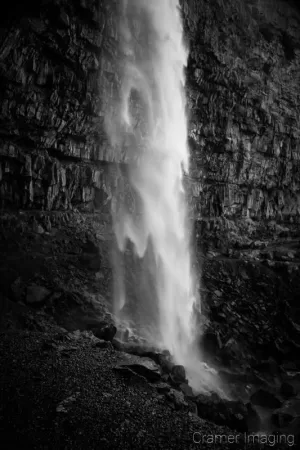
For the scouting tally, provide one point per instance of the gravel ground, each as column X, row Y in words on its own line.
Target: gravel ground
column 60, row 392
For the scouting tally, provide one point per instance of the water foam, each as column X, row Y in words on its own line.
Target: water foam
column 151, row 123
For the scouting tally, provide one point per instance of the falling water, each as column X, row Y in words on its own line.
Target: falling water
column 150, row 126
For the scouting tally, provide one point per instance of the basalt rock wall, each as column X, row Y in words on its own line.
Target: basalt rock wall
column 244, row 98
column 55, row 66
column 59, row 65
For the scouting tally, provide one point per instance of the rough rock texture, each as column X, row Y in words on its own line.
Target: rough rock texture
column 58, row 63
column 55, row 64
column 244, row 96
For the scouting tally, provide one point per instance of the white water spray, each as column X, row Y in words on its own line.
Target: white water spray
column 153, row 129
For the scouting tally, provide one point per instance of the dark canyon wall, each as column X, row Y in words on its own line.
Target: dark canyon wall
column 59, row 70
column 244, row 100
column 55, row 65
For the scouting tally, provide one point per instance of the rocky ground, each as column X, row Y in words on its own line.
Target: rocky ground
column 68, row 382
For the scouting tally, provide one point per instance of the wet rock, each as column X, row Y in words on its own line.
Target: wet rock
column 144, row 367
column 36, row 294
column 119, row 345
column 105, row 331
column 223, row 412
column 178, row 374
column 165, row 361
column 265, row 399
column 187, row 390
column 125, row 334
column 138, row 349
column 162, row 388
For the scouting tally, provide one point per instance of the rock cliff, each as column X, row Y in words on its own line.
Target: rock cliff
column 59, row 61
column 55, row 64
column 59, row 69
column 243, row 85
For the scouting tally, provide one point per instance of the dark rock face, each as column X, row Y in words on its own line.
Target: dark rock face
column 55, row 63
column 244, row 97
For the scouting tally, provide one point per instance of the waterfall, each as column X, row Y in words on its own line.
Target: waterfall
column 149, row 127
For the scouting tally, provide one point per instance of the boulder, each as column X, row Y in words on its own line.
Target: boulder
column 144, row 367
column 138, row 349
column 105, row 331
column 187, row 390
column 166, row 363
column 162, row 388
column 178, row 375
